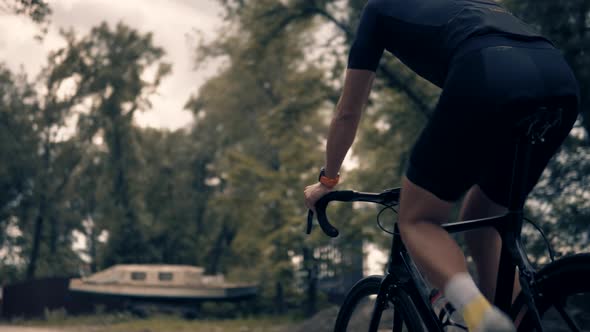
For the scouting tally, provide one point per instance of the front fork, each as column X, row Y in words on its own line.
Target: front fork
column 387, row 294
column 381, row 303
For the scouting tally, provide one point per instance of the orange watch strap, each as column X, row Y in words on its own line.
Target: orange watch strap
column 329, row 182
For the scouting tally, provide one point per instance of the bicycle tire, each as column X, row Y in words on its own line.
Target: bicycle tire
column 564, row 283
column 404, row 313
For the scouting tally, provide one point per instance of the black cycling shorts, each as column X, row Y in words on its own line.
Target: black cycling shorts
column 468, row 139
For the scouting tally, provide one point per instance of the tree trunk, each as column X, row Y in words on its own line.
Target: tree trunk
column 41, row 211
column 128, row 246
column 216, row 252
column 53, row 235
column 204, row 192
column 31, row 268
column 92, row 236
column 311, row 267
column 279, row 299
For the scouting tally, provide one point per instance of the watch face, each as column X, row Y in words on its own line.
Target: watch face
column 322, row 173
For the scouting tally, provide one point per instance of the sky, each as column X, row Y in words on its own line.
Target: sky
column 172, row 22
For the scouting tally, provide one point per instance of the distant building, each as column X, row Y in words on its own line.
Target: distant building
column 161, row 282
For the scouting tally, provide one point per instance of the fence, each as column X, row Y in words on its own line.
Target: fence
column 33, row 298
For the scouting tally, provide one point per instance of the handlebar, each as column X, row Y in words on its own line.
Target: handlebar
column 387, row 197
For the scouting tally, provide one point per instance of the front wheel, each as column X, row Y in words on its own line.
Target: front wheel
column 563, row 301
column 397, row 314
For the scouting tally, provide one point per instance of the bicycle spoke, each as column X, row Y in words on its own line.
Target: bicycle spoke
column 564, row 315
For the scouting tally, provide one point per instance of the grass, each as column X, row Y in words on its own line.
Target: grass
column 167, row 324
column 127, row 323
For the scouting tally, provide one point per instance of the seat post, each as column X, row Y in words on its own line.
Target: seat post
column 528, row 132
column 518, row 182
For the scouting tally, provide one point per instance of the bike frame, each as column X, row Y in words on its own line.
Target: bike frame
column 402, row 272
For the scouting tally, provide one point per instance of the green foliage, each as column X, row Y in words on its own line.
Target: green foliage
column 173, row 196
column 18, row 141
column 108, row 68
column 264, row 107
column 45, row 161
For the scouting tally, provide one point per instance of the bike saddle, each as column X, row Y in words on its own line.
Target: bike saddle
column 537, row 123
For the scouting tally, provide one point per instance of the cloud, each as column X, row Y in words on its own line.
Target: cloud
column 169, row 20
column 18, row 46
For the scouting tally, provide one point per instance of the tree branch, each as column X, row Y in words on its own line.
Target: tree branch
column 392, row 79
column 341, row 25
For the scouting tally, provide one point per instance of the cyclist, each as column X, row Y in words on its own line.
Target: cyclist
column 489, row 65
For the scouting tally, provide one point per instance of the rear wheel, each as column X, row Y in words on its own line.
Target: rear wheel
column 397, row 315
column 564, row 301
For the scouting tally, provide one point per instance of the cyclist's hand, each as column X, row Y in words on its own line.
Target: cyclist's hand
column 313, row 193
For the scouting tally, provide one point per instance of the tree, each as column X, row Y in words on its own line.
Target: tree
column 402, row 102
column 33, row 122
column 18, row 146
column 175, row 194
column 55, row 163
column 84, row 197
column 18, row 139
column 108, row 68
column 263, row 112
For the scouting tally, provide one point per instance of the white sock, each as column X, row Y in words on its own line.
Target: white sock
column 461, row 290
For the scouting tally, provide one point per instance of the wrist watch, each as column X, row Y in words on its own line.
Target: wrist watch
column 326, row 181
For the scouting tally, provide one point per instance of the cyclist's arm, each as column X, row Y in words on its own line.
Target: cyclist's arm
column 363, row 59
column 357, row 85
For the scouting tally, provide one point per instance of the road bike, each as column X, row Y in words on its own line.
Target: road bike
column 554, row 298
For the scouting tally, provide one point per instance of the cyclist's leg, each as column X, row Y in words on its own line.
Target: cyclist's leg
column 432, row 248
column 484, row 244
column 445, row 162
column 438, row 175
column 437, row 254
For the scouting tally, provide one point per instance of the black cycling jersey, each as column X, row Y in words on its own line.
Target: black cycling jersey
column 425, row 34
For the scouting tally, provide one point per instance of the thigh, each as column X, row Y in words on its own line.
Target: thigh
column 446, row 157
column 430, row 207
